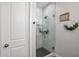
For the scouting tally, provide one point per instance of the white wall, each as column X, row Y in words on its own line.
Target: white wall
column 67, row 42
column 48, row 42
column 38, row 34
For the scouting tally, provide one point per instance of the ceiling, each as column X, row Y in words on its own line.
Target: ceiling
column 42, row 4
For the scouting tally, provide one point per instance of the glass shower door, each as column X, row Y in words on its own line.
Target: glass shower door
column 45, row 29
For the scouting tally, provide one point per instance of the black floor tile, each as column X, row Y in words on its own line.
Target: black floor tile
column 40, row 52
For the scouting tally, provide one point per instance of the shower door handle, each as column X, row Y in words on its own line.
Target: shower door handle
column 34, row 22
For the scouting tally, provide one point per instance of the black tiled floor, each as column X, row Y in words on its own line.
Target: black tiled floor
column 41, row 52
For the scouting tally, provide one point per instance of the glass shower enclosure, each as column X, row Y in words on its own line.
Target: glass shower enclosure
column 45, row 28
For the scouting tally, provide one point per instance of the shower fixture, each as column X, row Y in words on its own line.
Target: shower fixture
column 45, row 17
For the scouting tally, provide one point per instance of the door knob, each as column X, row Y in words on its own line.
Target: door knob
column 6, row 45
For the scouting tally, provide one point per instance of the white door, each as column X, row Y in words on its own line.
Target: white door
column 14, row 18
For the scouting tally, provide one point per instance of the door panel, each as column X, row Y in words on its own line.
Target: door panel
column 14, row 31
column 20, row 49
column 18, row 20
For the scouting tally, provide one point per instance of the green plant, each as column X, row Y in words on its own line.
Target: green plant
column 71, row 28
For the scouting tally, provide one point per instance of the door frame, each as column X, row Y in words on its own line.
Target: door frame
column 32, row 29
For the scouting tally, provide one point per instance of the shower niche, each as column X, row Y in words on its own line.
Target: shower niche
column 45, row 28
